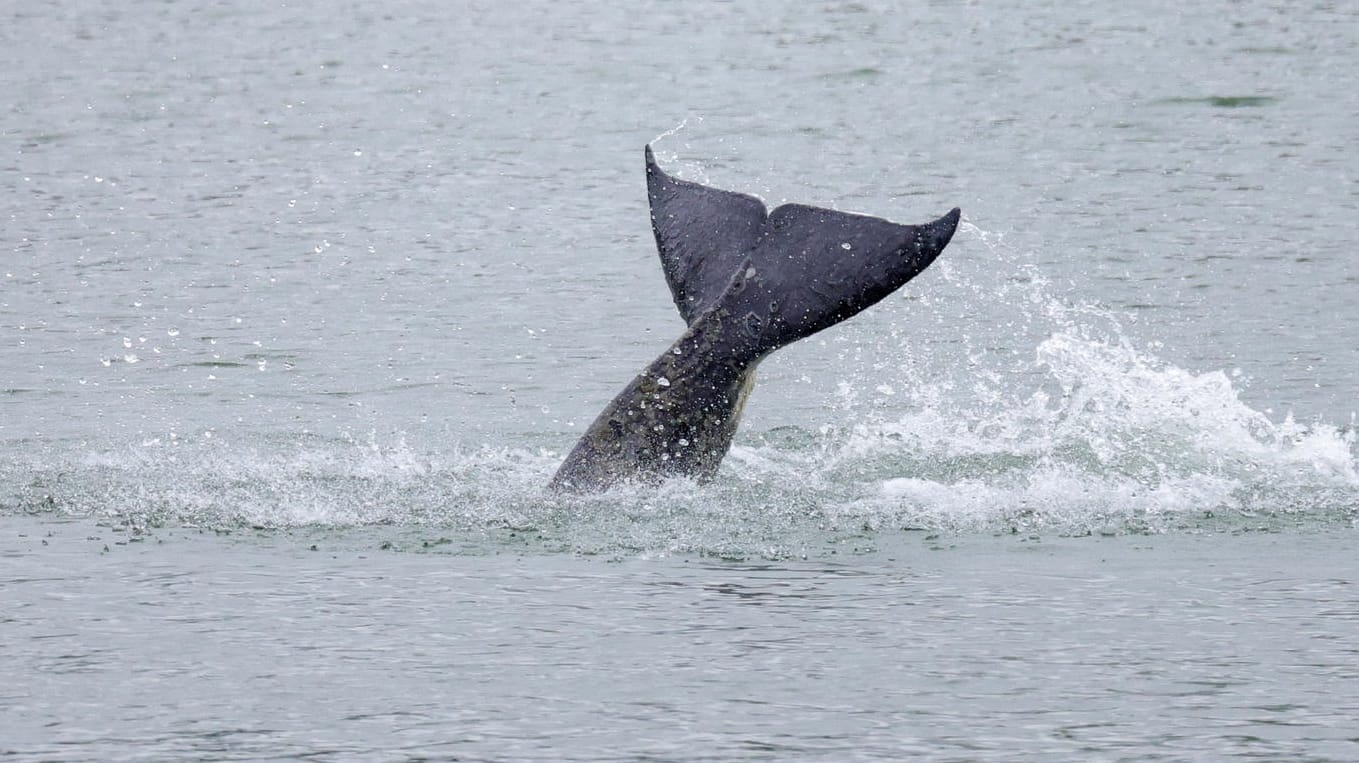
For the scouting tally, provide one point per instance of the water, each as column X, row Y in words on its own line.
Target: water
column 283, row 277
column 204, row 646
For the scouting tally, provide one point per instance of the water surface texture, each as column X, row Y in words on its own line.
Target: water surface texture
column 301, row 304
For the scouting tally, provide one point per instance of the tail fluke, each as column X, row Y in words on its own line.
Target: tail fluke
column 812, row 267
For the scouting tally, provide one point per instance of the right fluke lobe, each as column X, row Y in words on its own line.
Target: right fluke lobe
column 816, row 267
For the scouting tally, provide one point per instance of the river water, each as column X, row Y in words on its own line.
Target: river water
column 301, row 304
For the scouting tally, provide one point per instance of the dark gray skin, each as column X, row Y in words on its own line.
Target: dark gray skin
column 747, row 282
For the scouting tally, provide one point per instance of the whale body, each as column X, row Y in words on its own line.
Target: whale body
column 747, row 281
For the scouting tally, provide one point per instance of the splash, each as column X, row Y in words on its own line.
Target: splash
column 1107, row 440
column 1054, row 422
column 1083, row 432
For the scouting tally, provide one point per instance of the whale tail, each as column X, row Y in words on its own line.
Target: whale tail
column 801, row 268
column 746, row 281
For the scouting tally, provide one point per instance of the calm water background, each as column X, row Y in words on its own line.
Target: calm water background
column 301, row 304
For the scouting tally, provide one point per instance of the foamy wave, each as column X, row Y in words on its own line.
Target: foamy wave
column 1107, row 438
column 286, row 482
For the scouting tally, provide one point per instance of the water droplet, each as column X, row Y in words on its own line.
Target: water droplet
column 664, row 382
column 846, row 246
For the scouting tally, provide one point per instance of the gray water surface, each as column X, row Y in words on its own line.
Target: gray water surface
column 189, row 646
column 283, row 276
